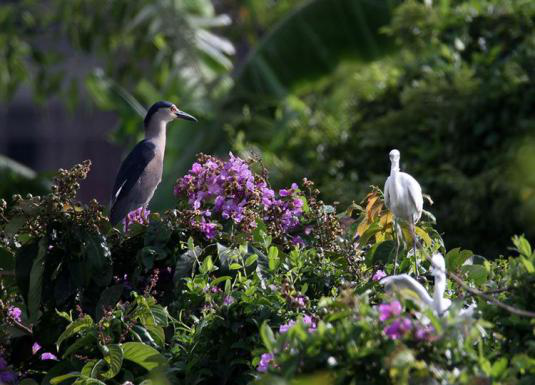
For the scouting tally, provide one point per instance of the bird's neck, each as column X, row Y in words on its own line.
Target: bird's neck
column 156, row 132
column 394, row 168
column 438, row 293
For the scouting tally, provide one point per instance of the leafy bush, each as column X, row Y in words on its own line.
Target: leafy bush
column 456, row 101
column 282, row 288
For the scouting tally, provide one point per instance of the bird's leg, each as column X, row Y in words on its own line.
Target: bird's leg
column 398, row 233
column 414, row 243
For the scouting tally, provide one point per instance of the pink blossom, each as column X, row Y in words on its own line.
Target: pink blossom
column 387, row 311
column 379, row 274
column 48, row 356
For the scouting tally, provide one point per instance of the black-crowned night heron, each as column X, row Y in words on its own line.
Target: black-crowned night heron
column 141, row 171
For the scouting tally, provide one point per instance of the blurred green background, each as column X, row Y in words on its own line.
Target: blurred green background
column 320, row 89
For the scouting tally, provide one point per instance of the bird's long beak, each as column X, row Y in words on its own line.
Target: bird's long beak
column 185, row 116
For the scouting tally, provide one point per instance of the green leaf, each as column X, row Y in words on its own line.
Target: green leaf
column 499, row 367
column 476, row 273
column 36, row 281
column 382, row 253
column 225, row 255
column 268, row 338
column 235, row 266
column 157, row 333
column 160, row 314
column 455, row 258
column 207, row 265
column 77, row 326
column 251, row 259
column 114, row 360
column 528, row 265
column 522, row 245
column 98, row 257
column 64, row 377
column 87, row 340
column 143, row 355
column 23, row 267
column 218, row 280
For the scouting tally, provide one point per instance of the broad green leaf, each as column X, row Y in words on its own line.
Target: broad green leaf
column 476, row 273
column 143, row 355
column 87, row 340
column 76, row 327
column 382, row 253
column 157, row 333
column 36, row 281
column 114, row 360
column 160, row 314
column 251, row 259
column 268, row 338
column 499, row 367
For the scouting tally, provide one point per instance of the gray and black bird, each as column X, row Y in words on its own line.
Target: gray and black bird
column 141, row 171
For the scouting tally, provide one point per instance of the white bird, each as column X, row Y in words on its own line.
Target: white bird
column 403, row 196
column 406, row 285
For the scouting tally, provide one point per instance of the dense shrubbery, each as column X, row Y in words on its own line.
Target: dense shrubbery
column 241, row 283
column 456, row 101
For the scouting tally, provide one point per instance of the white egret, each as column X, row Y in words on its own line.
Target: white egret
column 406, row 285
column 403, row 196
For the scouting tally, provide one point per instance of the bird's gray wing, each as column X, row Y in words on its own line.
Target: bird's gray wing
column 131, row 169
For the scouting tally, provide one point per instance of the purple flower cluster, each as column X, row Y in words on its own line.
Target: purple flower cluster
column 14, row 313
column 139, row 215
column 398, row 327
column 307, row 320
column 265, row 360
column 379, row 274
column 6, row 375
column 44, row 356
column 232, row 191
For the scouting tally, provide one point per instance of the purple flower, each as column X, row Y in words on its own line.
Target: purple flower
column 8, row 377
column 14, row 313
column 209, row 229
column 300, row 300
column 387, row 311
column 229, row 189
column 35, row 347
column 379, row 274
column 398, row 328
column 298, row 241
column 309, row 321
column 228, row 300
column 139, row 215
column 265, row 359
column 423, row 332
column 285, row 327
column 48, row 356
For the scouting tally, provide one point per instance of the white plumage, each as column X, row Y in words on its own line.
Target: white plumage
column 408, row 286
column 403, row 196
